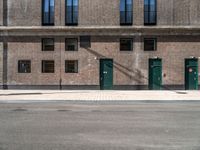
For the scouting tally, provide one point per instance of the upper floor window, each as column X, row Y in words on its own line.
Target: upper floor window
column 48, row 44
column 150, row 14
column 71, row 44
column 126, row 44
column 85, row 41
column 71, row 10
column 47, row 12
column 126, row 12
column 150, row 44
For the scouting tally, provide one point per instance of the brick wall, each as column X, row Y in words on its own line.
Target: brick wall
column 130, row 68
column 104, row 12
column 1, row 12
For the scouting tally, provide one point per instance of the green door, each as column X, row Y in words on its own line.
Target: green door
column 106, row 74
column 155, row 74
column 191, row 74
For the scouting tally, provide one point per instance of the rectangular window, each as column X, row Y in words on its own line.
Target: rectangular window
column 150, row 12
column 47, row 66
column 126, row 44
column 71, row 12
column 48, row 44
column 24, row 66
column 85, row 41
column 126, row 12
column 150, row 44
column 47, row 12
column 71, row 66
column 71, row 44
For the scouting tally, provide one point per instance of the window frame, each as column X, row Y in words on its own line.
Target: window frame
column 83, row 43
column 72, row 14
column 76, row 63
column 49, row 14
column 125, row 15
column 131, row 39
column 19, row 65
column 66, row 48
column 43, row 66
column 155, row 44
column 149, row 13
column 43, row 44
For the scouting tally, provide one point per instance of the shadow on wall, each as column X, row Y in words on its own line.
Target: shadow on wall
column 135, row 74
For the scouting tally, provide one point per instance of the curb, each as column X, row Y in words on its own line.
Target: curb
column 125, row 102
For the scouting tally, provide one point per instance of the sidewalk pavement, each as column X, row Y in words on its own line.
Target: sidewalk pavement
column 93, row 95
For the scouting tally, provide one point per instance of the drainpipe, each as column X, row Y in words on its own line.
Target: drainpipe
column 60, row 40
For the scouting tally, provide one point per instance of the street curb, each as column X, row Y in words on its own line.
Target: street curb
column 99, row 101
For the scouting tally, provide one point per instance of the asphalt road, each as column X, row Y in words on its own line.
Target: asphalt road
column 135, row 126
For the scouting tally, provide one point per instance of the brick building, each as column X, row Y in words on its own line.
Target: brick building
column 99, row 44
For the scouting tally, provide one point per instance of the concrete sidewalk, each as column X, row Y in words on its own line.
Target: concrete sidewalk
column 85, row 95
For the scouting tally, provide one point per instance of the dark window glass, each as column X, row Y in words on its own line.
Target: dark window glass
column 85, row 41
column 48, row 44
column 150, row 44
column 47, row 12
column 150, row 12
column 126, row 12
column 71, row 44
column 126, row 44
column 24, row 66
column 71, row 12
column 71, row 66
column 47, row 66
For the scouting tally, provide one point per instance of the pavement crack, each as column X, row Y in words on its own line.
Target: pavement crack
column 64, row 110
column 19, row 109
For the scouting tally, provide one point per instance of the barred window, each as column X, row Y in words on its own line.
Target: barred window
column 24, row 66
column 126, row 44
column 150, row 44
column 71, row 66
column 47, row 66
column 71, row 44
column 48, row 44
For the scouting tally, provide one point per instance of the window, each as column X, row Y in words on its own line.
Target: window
column 24, row 66
column 71, row 66
column 71, row 44
column 47, row 12
column 47, row 44
column 47, row 66
column 126, row 44
column 85, row 41
column 126, row 12
column 150, row 13
column 150, row 44
column 71, row 11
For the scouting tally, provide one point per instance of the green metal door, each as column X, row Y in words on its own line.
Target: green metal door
column 155, row 74
column 191, row 74
column 106, row 74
